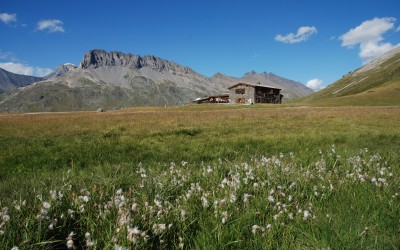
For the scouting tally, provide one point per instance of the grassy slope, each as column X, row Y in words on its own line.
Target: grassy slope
column 104, row 150
column 380, row 86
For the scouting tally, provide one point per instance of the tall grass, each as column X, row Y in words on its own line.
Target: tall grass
column 247, row 177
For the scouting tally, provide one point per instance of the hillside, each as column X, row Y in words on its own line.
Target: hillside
column 116, row 80
column 376, row 83
column 10, row 81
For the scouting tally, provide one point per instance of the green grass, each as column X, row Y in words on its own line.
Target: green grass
column 261, row 147
column 377, row 87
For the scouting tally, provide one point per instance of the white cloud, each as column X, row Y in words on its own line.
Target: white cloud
column 370, row 30
column 369, row 36
column 52, row 25
column 398, row 29
column 42, row 71
column 315, row 84
column 303, row 33
column 8, row 18
column 371, row 50
column 7, row 55
column 19, row 68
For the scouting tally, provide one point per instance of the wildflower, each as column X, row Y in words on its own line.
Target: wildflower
column 4, row 214
column 204, row 201
column 89, row 242
column 53, row 195
column 85, row 198
column 71, row 213
column 183, row 215
column 53, row 223
column 46, row 205
column 134, row 207
column 181, row 245
column 232, row 198
column 142, row 172
column 118, row 247
column 254, row 229
column 271, row 199
column 70, row 241
column 306, row 214
column 133, row 234
column 159, row 228
column 246, row 198
column 224, row 217
column 14, row 248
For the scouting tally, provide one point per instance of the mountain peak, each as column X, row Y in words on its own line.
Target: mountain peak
column 250, row 73
column 61, row 70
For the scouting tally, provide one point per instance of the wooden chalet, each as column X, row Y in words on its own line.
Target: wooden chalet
column 247, row 93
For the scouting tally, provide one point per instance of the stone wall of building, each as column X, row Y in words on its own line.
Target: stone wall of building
column 241, row 94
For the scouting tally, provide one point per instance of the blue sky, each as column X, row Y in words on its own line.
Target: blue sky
column 313, row 42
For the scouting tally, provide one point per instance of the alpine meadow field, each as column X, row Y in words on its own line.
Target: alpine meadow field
column 202, row 177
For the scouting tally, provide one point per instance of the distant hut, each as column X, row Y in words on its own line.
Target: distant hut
column 246, row 93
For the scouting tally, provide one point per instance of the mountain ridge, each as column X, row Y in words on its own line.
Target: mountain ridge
column 115, row 80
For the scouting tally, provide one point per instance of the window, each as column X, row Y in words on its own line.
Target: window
column 240, row 91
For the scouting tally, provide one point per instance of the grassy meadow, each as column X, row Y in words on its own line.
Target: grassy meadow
column 202, row 176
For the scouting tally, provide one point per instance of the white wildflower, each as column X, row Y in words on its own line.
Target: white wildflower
column 204, row 201
column 134, row 207
column 181, row 244
column 246, row 198
column 46, row 205
column 70, row 241
column 232, row 198
column 271, row 199
column 224, row 217
column 159, row 228
column 306, row 214
column 89, row 242
column 254, row 229
column 133, row 235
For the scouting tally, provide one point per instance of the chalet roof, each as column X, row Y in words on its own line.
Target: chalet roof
column 252, row 85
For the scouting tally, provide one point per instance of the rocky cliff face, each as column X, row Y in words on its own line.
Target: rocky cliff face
column 101, row 58
column 10, row 81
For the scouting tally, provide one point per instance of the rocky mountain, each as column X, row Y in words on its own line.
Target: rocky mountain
column 10, row 81
column 116, row 80
column 376, row 83
column 290, row 89
column 61, row 70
